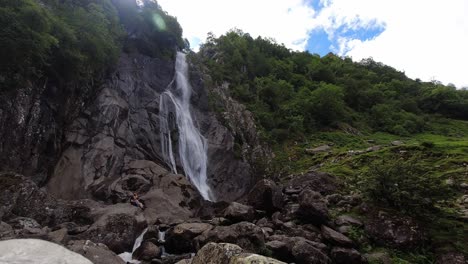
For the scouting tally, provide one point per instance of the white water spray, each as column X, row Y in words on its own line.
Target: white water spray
column 127, row 256
column 192, row 145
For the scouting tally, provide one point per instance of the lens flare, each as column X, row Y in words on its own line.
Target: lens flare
column 159, row 22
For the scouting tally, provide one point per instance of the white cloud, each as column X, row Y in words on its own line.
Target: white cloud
column 425, row 38
column 287, row 21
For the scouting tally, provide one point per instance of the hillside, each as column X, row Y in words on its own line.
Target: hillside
column 242, row 152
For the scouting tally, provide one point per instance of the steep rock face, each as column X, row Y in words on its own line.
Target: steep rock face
column 32, row 121
column 114, row 147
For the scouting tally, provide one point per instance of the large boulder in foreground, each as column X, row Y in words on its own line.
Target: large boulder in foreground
column 225, row 253
column 38, row 252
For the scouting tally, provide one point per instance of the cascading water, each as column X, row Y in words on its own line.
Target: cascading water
column 127, row 256
column 192, row 145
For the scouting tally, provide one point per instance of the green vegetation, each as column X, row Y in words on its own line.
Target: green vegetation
column 293, row 94
column 78, row 41
column 302, row 101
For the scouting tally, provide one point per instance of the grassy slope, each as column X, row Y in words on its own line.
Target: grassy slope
column 443, row 150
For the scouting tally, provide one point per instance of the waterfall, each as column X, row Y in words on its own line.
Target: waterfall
column 127, row 256
column 192, row 145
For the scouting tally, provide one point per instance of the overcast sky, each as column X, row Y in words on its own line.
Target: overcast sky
column 426, row 39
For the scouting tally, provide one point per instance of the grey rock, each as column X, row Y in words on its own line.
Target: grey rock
column 336, row 238
column 96, row 252
column 346, row 256
column 237, row 212
column 39, row 252
column 266, row 195
column 312, row 207
column 323, row 148
column 394, row 230
column 146, row 251
column 245, row 234
column 397, row 143
column 379, row 257
column 180, row 238
column 348, row 220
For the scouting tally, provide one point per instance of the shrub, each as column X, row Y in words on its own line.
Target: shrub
column 404, row 184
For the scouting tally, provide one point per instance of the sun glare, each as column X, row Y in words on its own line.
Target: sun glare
column 159, row 21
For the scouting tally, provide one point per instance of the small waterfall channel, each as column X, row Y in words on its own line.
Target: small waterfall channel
column 192, row 145
column 127, row 256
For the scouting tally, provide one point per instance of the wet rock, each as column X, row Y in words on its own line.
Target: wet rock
column 312, row 207
column 146, row 251
column 394, row 230
column 180, row 238
column 266, row 195
column 96, row 252
column 336, row 238
column 346, row 256
column 237, row 212
column 245, row 234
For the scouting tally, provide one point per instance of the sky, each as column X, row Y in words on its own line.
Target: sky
column 426, row 39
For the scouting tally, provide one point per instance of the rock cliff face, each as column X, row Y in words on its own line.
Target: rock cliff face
column 32, row 122
column 114, row 146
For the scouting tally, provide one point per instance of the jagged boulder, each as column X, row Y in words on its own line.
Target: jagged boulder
column 287, row 248
column 305, row 253
column 346, row 256
column 394, row 230
column 96, row 252
column 266, row 195
column 180, row 238
column 245, row 234
column 336, row 238
column 312, row 207
column 116, row 226
column 321, row 182
column 146, row 251
column 237, row 212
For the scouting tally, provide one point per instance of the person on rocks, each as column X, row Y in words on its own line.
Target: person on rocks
column 136, row 201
